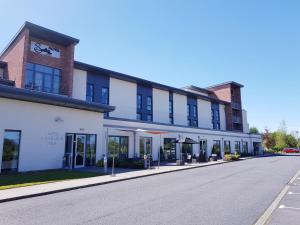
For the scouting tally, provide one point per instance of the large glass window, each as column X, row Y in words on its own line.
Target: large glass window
column 118, row 146
column 188, row 109
column 215, row 116
column 237, row 147
column 90, row 156
column 149, row 117
column 42, row 78
column 227, row 148
column 194, row 111
column 145, row 146
column 169, row 151
column 104, row 96
column 90, row 92
column 139, row 116
column 216, row 147
column 149, row 103
column 139, row 102
column 245, row 147
column 170, row 106
column 11, row 148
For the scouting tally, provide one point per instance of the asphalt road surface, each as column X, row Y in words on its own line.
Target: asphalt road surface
column 232, row 193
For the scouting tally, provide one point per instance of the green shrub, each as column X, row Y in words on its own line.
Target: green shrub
column 123, row 163
column 231, row 157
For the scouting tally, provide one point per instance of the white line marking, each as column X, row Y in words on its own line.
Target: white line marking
column 293, row 193
column 267, row 214
column 288, row 207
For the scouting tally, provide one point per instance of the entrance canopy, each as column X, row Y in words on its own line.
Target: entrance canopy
column 186, row 141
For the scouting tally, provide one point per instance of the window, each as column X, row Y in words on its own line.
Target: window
column 11, row 149
column 237, row 147
column 195, row 123
column 216, row 148
column 42, row 78
column 227, row 148
column 171, row 121
column 149, row 117
column 189, row 122
column 90, row 92
column 215, row 116
column 118, row 146
column 90, row 155
column 139, row 102
column 149, row 103
column 170, row 107
column 104, row 96
column 139, row 116
column 245, row 147
column 169, row 151
column 194, row 111
column 145, row 146
column 188, row 110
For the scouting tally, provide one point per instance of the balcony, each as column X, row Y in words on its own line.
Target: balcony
column 236, row 105
column 237, row 119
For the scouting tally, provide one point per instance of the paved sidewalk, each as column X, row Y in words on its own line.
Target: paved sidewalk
column 43, row 189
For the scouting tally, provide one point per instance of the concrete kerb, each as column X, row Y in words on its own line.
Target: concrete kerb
column 265, row 217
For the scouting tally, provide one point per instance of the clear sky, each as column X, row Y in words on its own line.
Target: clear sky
column 255, row 42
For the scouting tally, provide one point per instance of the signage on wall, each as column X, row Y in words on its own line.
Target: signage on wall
column 44, row 49
column 52, row 138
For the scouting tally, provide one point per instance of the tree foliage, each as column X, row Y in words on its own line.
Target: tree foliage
column 253, row 130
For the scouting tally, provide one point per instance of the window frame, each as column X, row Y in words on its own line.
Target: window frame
column 104, row 101
column 93, row 92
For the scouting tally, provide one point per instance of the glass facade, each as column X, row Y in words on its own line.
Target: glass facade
column 90, row 92
column 90, row 155
column 149, row 103
column 139, row 102
column 216, row 148
column 245, row 147
column 118, row 146
column 104, row 96
column 227, row 148
column 237, row 147
column 169, row 150
column 215, row 116
column 42, row 78
column 11, row 149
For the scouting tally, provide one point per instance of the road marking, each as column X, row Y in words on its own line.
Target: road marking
column 287, row 207
column 267, row 214
column 293, row 193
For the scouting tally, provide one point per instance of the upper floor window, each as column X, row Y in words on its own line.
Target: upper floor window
column 139, row 102
column 171, row 120
column 90, row 92
column 149, row 103
column 170, row 106
column 104, row 95
column 188, row 110
column 194, row 111
column 42, row 78
column 149, row 117
column 215, row 116
column 139, row 116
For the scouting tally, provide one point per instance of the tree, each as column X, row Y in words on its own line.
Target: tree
column 268, row 139
column 254, row 130
column 291, row 141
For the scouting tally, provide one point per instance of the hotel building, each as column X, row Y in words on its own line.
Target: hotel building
column 57, row 112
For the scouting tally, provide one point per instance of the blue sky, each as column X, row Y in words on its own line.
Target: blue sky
column 255, row 42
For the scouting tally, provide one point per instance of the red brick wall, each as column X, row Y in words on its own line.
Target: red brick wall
column 65, row 62
column 15, row 57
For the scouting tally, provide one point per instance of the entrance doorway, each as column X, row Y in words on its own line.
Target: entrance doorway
column 80, row 143
column 80, row 150
column 203, row 151
column 169, row 150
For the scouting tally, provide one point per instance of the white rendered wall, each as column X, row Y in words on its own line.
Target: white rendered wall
column 79, row 84
column 204, row 114
column 42, row 138
column 122, row 94
column 180, row 109
column 245, row 122
column 222, row 117
column 160, row 106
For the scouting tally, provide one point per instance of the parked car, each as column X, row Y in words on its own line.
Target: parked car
column 291, row 150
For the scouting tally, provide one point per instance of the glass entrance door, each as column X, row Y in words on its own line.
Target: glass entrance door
column 145, row 146
column 68, row 161
column 80, row 151
column 203, row 150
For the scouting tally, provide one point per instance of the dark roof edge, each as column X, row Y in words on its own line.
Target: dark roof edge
column 199, row 89
column 225, row 83
column 125, row 77
column 51, row 99
column 28, row 24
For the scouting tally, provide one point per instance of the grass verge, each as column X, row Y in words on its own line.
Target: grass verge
column 15, row 180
